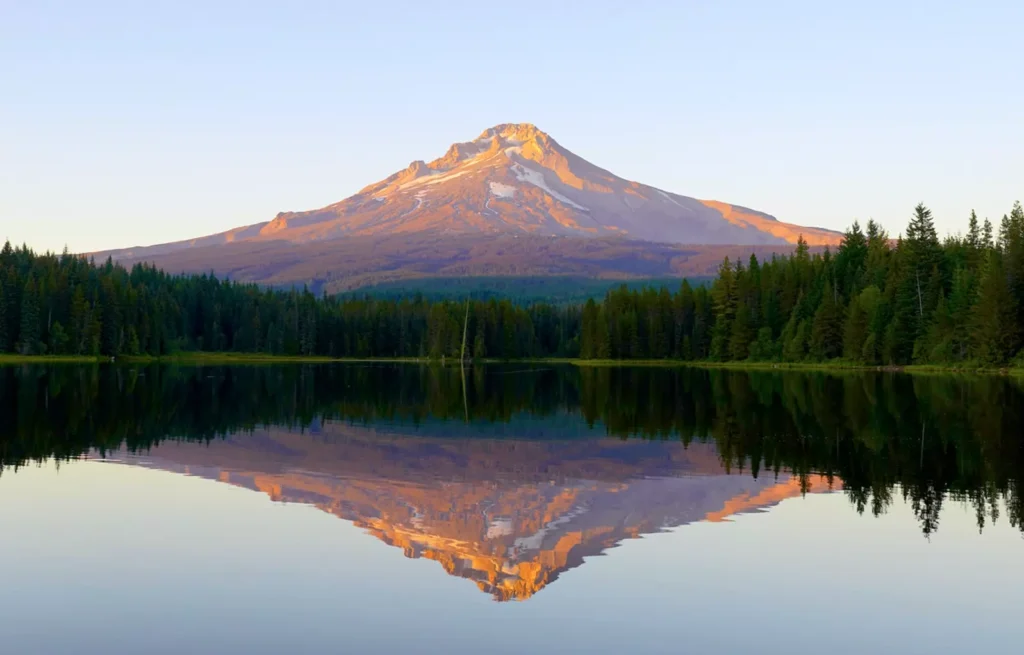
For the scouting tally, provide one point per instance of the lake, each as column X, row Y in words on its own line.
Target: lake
column 381, row 508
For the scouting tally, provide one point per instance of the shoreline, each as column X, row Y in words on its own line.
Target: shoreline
column 224, row 359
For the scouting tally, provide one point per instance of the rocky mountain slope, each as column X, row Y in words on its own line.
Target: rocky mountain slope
column 513, row 182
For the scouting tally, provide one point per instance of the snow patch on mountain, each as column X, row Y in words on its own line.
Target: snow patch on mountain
column 503, row 190
column 670, row 198
column 536, row 178
column 436, row 178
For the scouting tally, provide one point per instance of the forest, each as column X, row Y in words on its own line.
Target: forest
column 875, row 300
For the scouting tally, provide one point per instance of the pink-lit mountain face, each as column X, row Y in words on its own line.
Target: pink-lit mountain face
column 513, row 181
column 515, row 178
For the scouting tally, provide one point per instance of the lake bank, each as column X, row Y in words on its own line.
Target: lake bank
column 227, row 359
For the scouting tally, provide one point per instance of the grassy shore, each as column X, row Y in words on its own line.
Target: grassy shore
column 227, row 359
column 837, row 366
column 50, row 359
column 193, row 359
column 219, row 359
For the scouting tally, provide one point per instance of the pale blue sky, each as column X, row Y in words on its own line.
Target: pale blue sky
column 126, row 123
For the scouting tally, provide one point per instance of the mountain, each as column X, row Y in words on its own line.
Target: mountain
column 509, row 514
column 513, row 188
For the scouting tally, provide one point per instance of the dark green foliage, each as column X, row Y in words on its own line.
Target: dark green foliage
column 993, row 314
column 28, row 335
column 919, row 301
column 5, row 330
column 827, row 328
column 554, row 289
column 67, row 305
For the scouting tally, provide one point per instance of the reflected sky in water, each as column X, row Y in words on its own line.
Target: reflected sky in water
column 122, row 559
column 515, row 530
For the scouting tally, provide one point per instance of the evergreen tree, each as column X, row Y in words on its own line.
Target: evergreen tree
column 80, row 322
column 603, row 346
column 826, row 341
column 879, row 254
column 743, row 332
column 1013, row 249
column 986, row 235
column 961, row 303
column 974, row 238
column 724, row 296
column 588, row 342
column 923, row 261
column 28, row 336
column 763, row 349
column 59, row 339
column 851, row 261
column 5, row 333
column 993, row 314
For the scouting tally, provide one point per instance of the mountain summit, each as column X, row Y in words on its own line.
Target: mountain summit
column 456, row 215
column 515, row 178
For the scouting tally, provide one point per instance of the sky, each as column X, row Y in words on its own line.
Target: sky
column 127, row 123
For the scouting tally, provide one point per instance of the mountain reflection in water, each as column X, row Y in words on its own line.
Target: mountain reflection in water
column 508, row 514
column 510, row 476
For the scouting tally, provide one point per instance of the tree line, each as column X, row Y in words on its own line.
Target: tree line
column 874, row 300
column 67, row 305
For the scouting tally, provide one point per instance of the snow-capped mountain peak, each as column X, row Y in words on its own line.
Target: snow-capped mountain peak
column 516, row 179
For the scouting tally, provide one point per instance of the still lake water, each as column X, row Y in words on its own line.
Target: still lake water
column 516, row 509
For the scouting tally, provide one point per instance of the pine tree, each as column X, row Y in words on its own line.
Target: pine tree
column 878, row 315
column 974, row 238
column 993, row 314
column 723, row 294
column 5, row 338
column 58, row 339
column 879, row 253
column 924, row 261
column 826, row 341
column 986, row 236
column 1013, row 249
column 588, row 341
column 79, row 322
column 603, row 346
column 859, row 322
column 743, row 332
column 851, row 260
column 794, row 338
column 961, row 302
column 28, row 336
column 937, row 345
column 763, row 349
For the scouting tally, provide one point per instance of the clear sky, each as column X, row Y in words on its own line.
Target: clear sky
column 128, row 123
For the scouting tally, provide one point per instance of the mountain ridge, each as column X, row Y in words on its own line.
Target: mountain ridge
column 513, row 180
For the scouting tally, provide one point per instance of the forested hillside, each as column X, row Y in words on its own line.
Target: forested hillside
column 523, row 290
column 874, row 300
